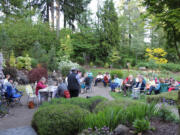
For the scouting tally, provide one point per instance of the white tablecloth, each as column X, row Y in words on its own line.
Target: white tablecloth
column 51, row 90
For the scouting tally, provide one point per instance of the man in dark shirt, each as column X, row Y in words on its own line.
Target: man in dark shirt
column 73, row 84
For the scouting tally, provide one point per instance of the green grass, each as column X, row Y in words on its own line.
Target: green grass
column 120, row 96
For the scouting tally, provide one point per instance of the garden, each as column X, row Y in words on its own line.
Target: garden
column 132, row 41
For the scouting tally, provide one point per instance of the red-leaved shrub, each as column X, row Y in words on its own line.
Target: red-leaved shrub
column 36, row 73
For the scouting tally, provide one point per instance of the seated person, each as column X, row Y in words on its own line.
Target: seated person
column 41, row 85
column 115, row 83
column 155, row 87
column 173, row 85
column 99, row 78
column 139, row 87
column 62, row 89
column 11, row 90
column 107, row 79
column 128, row 84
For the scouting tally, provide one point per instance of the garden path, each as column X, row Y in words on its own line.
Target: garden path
column 99, row 90
column 19, row 119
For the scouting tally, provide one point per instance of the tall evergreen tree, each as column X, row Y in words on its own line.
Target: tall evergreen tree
column 109, row 28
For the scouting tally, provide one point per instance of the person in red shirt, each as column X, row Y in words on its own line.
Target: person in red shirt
column 41, row 84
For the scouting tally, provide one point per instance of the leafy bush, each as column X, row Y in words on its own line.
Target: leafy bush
column 173, row 95
column 91, row 64
column 84, row 103
column 106, row 65
column 141, row 125
column 59, row 119
column 99, row 62
column 171, row 67
column 34, row 62
column 115, row 115
column 68, row 63
column 11, row 71
column 143, row 64
column 12, row 60
column 116, row 72
column 65, row 71
column 80, row 60
column 24, row 62
column 36, row 73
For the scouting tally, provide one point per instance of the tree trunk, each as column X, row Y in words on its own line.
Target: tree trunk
column 47, row 10
column 57, row 18
column 52, row 14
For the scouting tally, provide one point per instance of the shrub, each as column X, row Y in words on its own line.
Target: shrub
column 99, row 62
column 171, row 67
column 106, row 65
column 141, row 125
column 84, row 103
column 65, row 71
column 11, row 71
column 34, row 62
column 24, row 62
column 36, row 73
column 91, row 64
column 68, row 63
column 116, row 72
column 171, row 96
column 80, row 60
column 143, row 64
column 59, row 119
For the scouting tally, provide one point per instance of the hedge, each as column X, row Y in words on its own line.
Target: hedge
column 64, row 119
column 116, row 72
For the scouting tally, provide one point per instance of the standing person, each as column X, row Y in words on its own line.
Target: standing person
column 73, row 84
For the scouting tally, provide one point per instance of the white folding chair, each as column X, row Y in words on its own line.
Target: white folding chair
column 31, row 94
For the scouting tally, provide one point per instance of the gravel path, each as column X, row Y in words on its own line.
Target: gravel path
column 98, row 91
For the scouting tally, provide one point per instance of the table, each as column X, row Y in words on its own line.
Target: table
column 50, row 90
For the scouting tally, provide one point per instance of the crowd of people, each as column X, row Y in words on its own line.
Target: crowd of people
column 77, row 82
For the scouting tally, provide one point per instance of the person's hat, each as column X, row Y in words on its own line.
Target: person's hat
column 73, row 69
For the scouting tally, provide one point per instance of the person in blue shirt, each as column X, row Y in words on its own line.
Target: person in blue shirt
column 155, row 88
column 115, row 83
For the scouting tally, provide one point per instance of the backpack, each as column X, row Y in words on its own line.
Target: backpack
column 66, row 94
column 31, row 105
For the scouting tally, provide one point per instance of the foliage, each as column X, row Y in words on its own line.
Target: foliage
column 141, row 125
column 171, row 67
column 173, row 95
column 24, row 62
column 68, row 63
column 11, row 71
column 36, row 73
column 157, row 54
column 88, row 104
column 114, row 115
column 99, row 62
column 165, row 114
column 12, row 60
column 106, row 65
column 59, row 119
column 116, row 72
column 108, row 28
column 114, row 56
column 65, row 71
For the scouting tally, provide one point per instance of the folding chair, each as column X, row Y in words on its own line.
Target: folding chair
column 31, row 94
column 13, row 95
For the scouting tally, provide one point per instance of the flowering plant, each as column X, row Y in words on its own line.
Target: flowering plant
column 157, row 54
column 68, row 63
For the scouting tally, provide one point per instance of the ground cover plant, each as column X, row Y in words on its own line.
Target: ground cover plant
column 169, row 97
column 98, row 115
